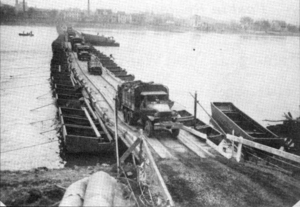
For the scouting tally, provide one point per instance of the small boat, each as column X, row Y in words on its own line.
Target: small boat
column 230, row 119
column 26, row 34
column 187, row 119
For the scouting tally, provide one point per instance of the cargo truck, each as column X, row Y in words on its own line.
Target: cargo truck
column 83, row 52
column 149, row 103
column 95, row 66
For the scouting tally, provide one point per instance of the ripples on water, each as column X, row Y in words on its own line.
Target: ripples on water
column 259, row 74
column 25, row 76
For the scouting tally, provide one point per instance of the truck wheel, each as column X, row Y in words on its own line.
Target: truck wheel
column 175, row 132
column 131, row 120
column 148, row 129
column 125, row 115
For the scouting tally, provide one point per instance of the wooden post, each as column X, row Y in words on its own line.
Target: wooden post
column 130, row 149
column 116, row 134
column 133, row 159
column 195, row 109
column 265, row 148
column 239, row 152
column 232, row 145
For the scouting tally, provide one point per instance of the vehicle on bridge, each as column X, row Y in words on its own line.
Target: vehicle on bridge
column 95, row 66
column 76, row 40
column 83, row 52
column 149, row 103
column 71, row 32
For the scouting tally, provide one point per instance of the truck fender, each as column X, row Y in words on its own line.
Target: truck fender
column 151, row 118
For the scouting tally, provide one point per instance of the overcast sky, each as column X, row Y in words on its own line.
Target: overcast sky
column 287, row 10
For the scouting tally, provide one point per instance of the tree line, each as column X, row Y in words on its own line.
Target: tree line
column 8, row 14
column 265, row 25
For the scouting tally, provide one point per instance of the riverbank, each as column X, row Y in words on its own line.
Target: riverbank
column 217, row 179
column 135, row 27
column 42, row 186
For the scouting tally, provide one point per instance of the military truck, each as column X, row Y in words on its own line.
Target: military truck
column 83, row 52
column 71, row 33
column 76, row 40
column 95, row 66
column 149, row 103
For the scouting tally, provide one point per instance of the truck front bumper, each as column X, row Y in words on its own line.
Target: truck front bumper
column 167, row 125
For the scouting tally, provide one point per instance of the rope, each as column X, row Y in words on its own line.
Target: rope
column 43, row 106
column 41, row 121
column 45, row 94
column 29, row 146
column 209, row 115
column 130, row 186
column 24, row 86
column 22, row 68
column 22, row 77
column 24, row 74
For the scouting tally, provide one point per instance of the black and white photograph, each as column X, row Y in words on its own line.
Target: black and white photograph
column 150, row 103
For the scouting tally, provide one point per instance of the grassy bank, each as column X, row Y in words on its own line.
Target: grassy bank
column 204, row 182
column 42, row 186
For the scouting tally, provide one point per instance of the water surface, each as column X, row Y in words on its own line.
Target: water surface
column 259, row 74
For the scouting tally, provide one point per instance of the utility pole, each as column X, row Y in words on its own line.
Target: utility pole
column 88, row 7
column 116, row 135
column 24, row 6
column 195, row 109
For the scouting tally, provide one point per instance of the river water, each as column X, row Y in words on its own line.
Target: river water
column 259, row 74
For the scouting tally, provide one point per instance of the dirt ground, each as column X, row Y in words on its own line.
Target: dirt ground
column 192, row 181
column 220, row 182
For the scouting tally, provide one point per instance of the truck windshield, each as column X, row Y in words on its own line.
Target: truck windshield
column 154, row 98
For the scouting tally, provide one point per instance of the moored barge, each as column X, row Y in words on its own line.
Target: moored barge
column 230, row 118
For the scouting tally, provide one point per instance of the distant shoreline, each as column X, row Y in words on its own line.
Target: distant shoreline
column 167, row 28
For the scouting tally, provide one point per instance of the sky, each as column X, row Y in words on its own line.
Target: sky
column 287, row 10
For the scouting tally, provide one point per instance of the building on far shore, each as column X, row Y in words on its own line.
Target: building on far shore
column 137, row 18
column 104, row 16
column 124, row 18
column 73, row 15
column 203, row 23
column 19, row 6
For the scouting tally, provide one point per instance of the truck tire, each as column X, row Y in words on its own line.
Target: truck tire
column 175, row 132
column 131, row 120
column 125, row 115
column 148, row 128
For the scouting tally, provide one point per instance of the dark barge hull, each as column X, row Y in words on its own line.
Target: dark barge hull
column 100, row 40
column 187, row 119
column 79, row 136
column 230, row 119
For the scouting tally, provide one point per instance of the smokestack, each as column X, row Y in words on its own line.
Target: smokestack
column 16, row 7
column 24, row 6
column 89, row 7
